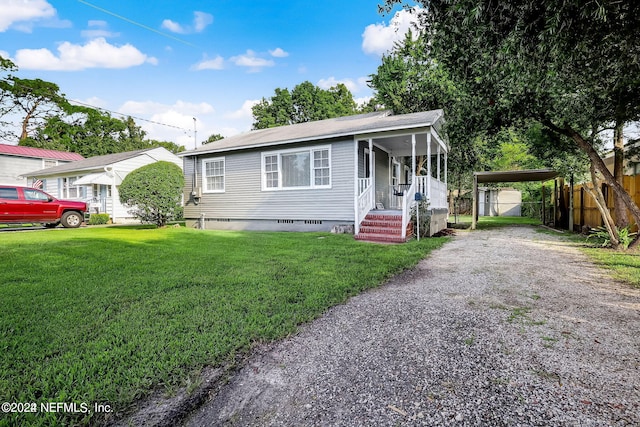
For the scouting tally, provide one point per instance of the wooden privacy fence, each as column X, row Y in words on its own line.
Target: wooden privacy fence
column 585, row 210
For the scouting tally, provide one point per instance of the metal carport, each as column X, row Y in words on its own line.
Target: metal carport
column 506, row 176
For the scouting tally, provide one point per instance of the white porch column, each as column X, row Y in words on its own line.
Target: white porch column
column 438, row 162
column 413, row 158
column 446, row 166
column 429, row 166
column 356, row 192
column 371, row 159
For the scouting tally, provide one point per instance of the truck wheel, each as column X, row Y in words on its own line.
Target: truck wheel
column 71, row 219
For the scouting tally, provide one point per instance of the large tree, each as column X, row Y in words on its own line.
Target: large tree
column 574, row 65
column 33, row 100
column 409, row 80
column 92, row 132
column 306, row 102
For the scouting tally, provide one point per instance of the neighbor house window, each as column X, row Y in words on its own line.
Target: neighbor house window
column 213, row 175
column 296, row 169
column 49, row 163
column 70, row 190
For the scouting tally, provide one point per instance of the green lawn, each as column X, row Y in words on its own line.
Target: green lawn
column 624, row 265
column 485, row 222
column 106, row 315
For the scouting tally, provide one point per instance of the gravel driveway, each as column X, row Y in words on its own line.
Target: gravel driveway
column 502, row 327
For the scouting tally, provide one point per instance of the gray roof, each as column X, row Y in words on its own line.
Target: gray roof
column 322, row 129
column 97, row 162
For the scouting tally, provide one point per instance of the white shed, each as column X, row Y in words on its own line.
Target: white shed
column 499, row 202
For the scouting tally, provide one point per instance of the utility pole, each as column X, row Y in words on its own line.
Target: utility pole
column 195, row 133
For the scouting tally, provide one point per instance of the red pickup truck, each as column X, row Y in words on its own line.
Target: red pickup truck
column 20, row 205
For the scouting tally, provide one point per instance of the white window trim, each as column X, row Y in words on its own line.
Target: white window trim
column 279, row 153
column 80, row 191
column 204, row 174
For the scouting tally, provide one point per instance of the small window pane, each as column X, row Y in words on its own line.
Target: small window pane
column 295, row 170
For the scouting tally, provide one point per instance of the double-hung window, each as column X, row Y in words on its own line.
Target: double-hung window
column 213, row 175
column 72, row 191
column 297, row 169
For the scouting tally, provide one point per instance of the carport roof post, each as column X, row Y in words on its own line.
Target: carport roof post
column 506, row 176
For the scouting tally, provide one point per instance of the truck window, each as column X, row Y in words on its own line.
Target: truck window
column 34, row 195
column 9, row 193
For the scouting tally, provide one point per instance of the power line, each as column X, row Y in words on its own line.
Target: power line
column 131, row 21
column 129, row 115
column 188, row 131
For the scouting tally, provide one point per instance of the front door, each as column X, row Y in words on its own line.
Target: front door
column 396, row 198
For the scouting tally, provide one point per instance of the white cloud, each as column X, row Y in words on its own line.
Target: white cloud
column 278, row 53
column 253, row 62
column 96, row 53
column 16, row 11
column 174, row 27
column 379, row 39
column 216, row 63
column 177, row 117
column 98, row 29
column 151, row 107
column 354, row 86
column 362, row 101
column 244, row 112
column 201, row 20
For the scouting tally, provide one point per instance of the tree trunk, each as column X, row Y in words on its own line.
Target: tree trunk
column 24, row 134
column 600, row 167
column 597, row 195
column 622, row 219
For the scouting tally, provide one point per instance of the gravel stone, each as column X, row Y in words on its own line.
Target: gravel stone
column 504, row 327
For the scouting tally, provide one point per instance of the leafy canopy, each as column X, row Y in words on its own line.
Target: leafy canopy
column 305, row 103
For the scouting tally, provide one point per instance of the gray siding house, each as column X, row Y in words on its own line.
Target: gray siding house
column 317, row 175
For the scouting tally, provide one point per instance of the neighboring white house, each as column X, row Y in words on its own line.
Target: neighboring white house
column 317, row 175
column 96, row 179
column 499, row 202
column 15, row 160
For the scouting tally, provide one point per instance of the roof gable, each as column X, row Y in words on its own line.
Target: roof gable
column 39, row 153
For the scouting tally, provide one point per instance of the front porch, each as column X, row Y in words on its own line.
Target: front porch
column 392, row 168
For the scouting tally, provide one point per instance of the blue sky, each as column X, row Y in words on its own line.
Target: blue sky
column 169, row 61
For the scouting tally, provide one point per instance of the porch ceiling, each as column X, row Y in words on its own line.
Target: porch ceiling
column 399, row 144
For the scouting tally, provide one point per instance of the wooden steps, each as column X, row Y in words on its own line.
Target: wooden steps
column 383, row 228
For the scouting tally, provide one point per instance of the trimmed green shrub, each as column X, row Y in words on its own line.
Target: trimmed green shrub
column 100, row 218
column 154, row 192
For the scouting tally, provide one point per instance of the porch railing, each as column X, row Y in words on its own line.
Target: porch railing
column 365, row 199
column 407, row 200
column 435, row 190
column 438, row 194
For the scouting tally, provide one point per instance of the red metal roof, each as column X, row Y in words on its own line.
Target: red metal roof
column 41, row 153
